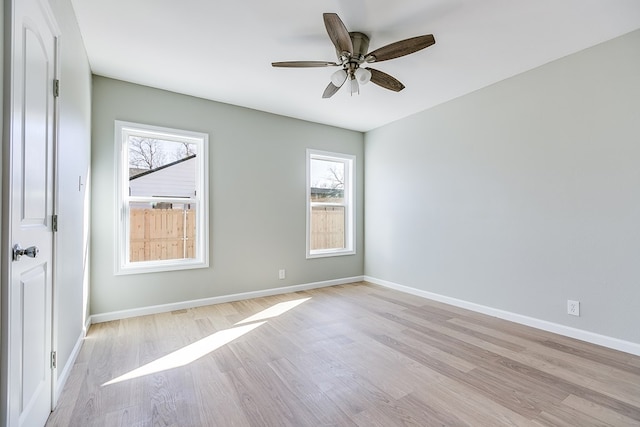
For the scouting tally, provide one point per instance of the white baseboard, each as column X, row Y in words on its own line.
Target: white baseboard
column 163, row 308
column 87, row 325
column 66, row 370
column 603, row 340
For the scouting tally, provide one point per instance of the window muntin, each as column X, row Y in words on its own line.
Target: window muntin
column 162, row 221
column 330, row 212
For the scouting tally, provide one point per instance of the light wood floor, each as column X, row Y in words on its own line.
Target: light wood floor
column 349, row 355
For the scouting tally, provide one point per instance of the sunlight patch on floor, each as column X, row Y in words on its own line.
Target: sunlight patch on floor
column 194, row 351
column 188, row 354
column 274, row 311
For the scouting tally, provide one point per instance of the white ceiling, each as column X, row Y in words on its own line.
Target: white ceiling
column 222, row 50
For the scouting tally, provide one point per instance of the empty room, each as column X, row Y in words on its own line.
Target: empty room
column 343, row 213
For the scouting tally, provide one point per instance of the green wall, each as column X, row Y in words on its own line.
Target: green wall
column 257, row 198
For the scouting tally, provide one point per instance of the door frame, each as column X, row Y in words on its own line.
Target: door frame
column 7, row 31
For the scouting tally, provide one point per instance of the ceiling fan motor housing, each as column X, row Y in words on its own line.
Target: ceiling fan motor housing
column 360, row 43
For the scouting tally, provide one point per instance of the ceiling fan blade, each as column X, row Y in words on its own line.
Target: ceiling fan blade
column 330, row 90
column 401, row 48
column 303, row 64
column 385, row 80
column 338, row 33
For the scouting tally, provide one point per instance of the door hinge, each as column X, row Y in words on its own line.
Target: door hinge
column 54, row 223
column 56, row 88
column 54, row 361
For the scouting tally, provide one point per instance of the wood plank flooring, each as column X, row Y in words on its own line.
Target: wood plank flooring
column 349, row 355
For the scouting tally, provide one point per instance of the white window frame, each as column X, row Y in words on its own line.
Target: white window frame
column 349, row 162
column 122, row 202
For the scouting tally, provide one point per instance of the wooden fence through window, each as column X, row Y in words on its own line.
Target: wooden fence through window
column 327, row 227
column 162, row 234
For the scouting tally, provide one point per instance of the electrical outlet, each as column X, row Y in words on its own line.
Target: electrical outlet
column 573, row 308
column 281, row 274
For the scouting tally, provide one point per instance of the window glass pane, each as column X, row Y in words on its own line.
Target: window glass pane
column 162, row 231
column 327, row 181
column 161, row 168
column 327, row 227
column 162, row 187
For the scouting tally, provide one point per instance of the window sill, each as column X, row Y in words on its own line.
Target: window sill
column 157, row 267
column 330, row 253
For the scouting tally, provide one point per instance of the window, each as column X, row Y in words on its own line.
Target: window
column 330, row 211
column 162, row 215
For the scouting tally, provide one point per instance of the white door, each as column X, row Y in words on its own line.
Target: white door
column 31, row 163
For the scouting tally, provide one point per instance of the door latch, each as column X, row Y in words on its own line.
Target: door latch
column 18, row 252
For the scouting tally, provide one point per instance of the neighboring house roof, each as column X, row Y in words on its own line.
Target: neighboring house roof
column 176, row 179
column 327, row 192
column 324, row 190
column 143, row 172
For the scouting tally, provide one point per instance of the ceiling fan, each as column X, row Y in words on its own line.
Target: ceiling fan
column 351, row 48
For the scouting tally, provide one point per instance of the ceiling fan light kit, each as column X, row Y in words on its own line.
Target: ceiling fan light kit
column 351, row 49
column 363, row 75
column 339, row 77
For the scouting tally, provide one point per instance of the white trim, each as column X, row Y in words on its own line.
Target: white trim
column 55, row 258
column 66, row 371
column 122, row 266
column 163, row 308
column 87, row 325
column 568, row 331
column 349, row 162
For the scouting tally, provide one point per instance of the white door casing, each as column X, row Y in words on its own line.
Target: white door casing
column 31, row 173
